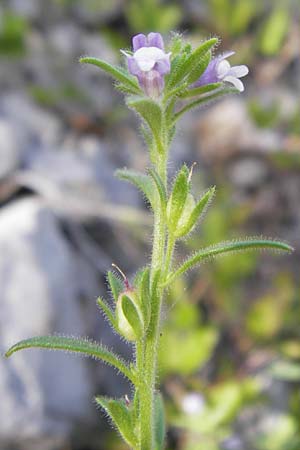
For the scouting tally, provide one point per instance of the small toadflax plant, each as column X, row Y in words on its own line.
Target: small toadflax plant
column 160, row 85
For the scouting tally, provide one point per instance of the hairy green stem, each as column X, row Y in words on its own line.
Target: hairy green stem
column 169, row 254
column 147, row 368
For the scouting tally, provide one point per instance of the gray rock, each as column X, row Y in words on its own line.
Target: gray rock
column 226, row 129
column 248, row 173
column 40, row 125
column 9, row 148
column 30, row 9
column 64, row 38
column 42, row 392
column 93, row 12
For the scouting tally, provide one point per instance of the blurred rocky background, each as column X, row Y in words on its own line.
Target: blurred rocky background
column 230, row 358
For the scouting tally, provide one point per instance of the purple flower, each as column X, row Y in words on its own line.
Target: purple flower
column 149, row 62
column 219, row 69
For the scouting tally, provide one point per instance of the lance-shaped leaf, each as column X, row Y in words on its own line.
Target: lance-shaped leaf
column 108, row 313
column 115, row 284
column 177, row 65
column 159, row 422
column 176, row 92
column 151, row 113
column 199, row 68
column 177, row 198
column 159, row 186
column 75, row 345
column 205, row 99
column 141, row 181
column 121, row 417
column 228, row 247
column 200, row 90
column 118, row 73
column 198, row 212
column 189, row 64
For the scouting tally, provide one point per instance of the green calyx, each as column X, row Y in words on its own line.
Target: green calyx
column 129, row 315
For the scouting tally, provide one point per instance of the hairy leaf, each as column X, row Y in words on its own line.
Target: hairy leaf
column 74, row 345
column 121, row 416
column 177, row 198
column 107, row 311
column 205, row 99
column 186, row 67
column 225, row 248
column 141, row 181
column 118, row 73
column 151, row 112
column 115, row 284
column 160, row 186
column 198, row 211
column 199, row 68
column 200, row 90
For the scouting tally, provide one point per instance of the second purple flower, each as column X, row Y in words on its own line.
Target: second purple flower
column 149, row 62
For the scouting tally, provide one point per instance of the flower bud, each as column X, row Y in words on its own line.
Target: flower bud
column 129, row 315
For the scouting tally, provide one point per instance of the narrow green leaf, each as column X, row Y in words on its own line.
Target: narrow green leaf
column 199, row 68
column 115, row 284
column 176, row 92
column 126, row 89
column 199, row 210
column 184, row 68
column 107, row 311
column 200, row 90
column 160, row 187
column 151, row 112
column 205, row 99
column 140, row 180
column 118, row 73
column 228, row 247
column 121, row 416
column 177, row 198
column 132, row 315
column 177, row 65
column 159, row 421
column 74, row 345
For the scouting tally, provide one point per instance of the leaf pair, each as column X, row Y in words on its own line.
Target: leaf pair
column 189, row 67
column 182, row 210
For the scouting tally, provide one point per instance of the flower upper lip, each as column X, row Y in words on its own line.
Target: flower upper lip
column 147, row 57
